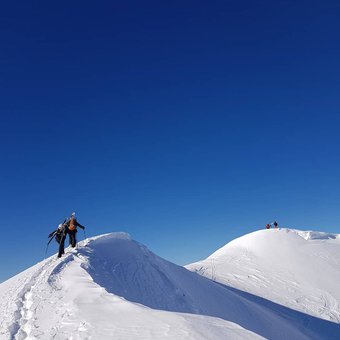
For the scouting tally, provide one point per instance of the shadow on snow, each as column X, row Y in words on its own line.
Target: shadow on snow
column 128, row 269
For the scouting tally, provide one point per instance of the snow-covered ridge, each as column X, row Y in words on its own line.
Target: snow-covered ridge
column 297, row 269
column 314, row 235
column 114, row 287
column 114, row 235
column 256, row 236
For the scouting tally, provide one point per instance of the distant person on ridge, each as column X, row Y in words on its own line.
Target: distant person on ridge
column 275, row 225
column 267, row 226
column 72, row 225
column 60, row 236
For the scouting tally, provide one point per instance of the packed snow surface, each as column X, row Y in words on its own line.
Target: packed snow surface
column 113, row 287
column 297, row 269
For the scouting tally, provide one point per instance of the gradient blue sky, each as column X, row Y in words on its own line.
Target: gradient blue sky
column 184, row 123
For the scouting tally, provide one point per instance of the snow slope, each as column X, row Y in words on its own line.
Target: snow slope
column 297, row 269
column 114, row 288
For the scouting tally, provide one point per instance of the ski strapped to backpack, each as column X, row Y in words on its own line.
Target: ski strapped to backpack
column 51, row 236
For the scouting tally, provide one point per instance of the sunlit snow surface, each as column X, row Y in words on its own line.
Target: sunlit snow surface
column 298, row 269
column 112, row 287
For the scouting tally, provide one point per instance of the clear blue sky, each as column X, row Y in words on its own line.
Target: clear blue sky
column 184, row 123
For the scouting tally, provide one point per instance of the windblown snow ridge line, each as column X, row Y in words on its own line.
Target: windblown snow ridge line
column 113, row 286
